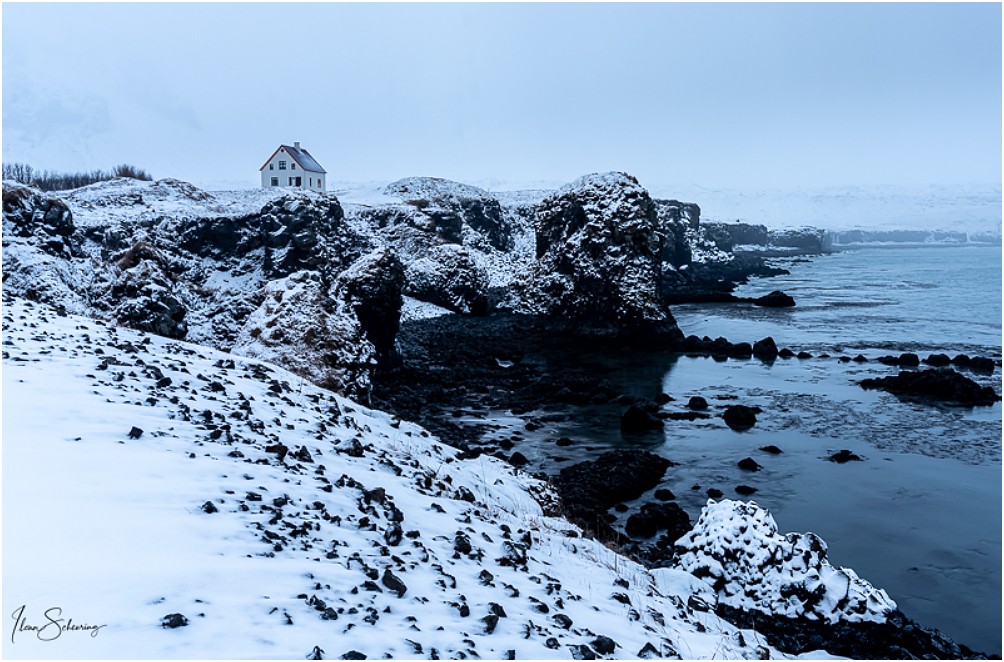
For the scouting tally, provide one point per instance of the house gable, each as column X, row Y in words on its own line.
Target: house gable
column 302, row 158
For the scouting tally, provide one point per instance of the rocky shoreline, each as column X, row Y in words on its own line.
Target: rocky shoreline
column 457, row 370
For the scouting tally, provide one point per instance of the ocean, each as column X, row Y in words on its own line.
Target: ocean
column 920, row 516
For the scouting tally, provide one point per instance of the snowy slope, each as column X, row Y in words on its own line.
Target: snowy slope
column 332, row 525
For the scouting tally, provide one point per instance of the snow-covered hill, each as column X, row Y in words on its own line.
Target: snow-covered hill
column 173, row 501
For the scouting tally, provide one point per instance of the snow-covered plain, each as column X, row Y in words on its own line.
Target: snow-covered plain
column 277, row 517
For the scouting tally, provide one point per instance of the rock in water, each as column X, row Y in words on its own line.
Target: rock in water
column 655, row 517
column 740, row 417
column 776, row 299
column 599, row 260
column 941, row 384
column 589, row 489
column 636, row 420
column 765, row 349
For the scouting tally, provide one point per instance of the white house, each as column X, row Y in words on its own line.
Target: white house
column 293, row 166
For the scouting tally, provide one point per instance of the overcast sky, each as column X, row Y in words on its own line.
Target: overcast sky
column 716, row 95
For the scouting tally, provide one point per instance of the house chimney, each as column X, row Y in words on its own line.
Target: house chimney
column 296, row 145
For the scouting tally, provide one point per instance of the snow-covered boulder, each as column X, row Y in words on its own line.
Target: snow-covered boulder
column 302, row 328
column 447, row 276
column 142, row 295
column 599, row 255
column 735, row 547
column 452, row 205
column 372, row 287
column 27, row 212
column 306, row 230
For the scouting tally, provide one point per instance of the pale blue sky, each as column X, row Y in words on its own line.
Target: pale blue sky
column 729, row 95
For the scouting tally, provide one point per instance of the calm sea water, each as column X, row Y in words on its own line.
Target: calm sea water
column 921, row 515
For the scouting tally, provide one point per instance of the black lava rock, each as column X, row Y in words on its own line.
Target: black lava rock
column 589, row 489
column 697, row 403
column 604, row 645
column 840, row 457
column 775, row 299
column 637, row 420
column 745, row 490
column 740, row 417
column 765, row 349
column 772, row 449
column 662, row 494
column 654, row 517
column 941, row 384
column 392, row 582
column 172, row 621
column 135, row 433
column 748, row 464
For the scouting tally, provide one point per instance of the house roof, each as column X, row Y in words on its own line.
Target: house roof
column 302, row 157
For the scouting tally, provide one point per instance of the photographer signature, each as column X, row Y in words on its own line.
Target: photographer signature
column 51, row 628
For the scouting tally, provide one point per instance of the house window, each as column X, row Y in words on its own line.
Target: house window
column 311, row 181
column 275, row 181
column 292, row 166
column 282, row 165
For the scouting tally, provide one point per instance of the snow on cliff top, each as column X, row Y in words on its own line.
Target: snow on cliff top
column 146, row 478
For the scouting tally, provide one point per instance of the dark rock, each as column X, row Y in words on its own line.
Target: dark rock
column 352, row 655
column 448, row 276
column 860, row 358
column 663, row 494
column 748, row 464
column 961, row 360
column 135, row 433
column 804, row 355
column 638, row 420
column 562, row 621
column 715, row 493
column 28, row 212
column 462, row 543
column 604, row 645
column 663, row 398
column 775, row 299
column 772, row 449
column 697, row 403
column 491, row 621
column 938, row 360
column 563, row 441
column 940, row 384
column 209, row 507
column 373, row 287
column 518, row 460
column 765, row 349
column 982, row 364
column 654, row 517
column 307, row 231
column 745, row 490
column 740, row 417
column 392, row 582
column 843, row 456
column 906, row 360
column 589, row 489
column 896, row 638
column 581, row 652
column 172, row 621
column 599, row 261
